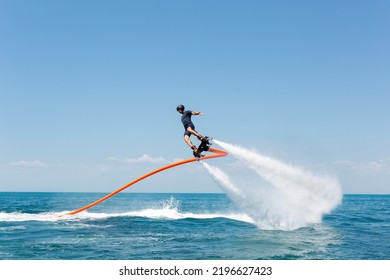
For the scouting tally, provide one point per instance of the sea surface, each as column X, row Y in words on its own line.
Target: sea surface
column 181, row 227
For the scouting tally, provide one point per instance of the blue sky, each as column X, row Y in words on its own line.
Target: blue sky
column 88, row 90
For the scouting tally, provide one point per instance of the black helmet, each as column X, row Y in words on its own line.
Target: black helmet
column 180, row 108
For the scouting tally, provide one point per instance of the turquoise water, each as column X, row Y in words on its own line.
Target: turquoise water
column 182, row 226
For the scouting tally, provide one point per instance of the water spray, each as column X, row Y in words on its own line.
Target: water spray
column 283, row 197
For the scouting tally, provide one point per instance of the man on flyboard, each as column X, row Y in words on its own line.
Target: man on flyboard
column 190, row 129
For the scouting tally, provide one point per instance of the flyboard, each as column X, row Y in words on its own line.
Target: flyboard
column 203, row 147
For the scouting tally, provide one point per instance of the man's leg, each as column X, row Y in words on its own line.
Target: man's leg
column 194, row 132
column 189, row 143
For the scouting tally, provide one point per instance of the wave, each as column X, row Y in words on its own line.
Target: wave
column 159, row 214
column 24, row 217
column 168, row 209
column 167, row 214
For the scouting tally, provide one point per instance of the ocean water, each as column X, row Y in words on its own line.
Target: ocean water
column 182, row 226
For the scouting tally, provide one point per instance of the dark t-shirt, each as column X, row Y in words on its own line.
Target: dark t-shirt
column 186, row 119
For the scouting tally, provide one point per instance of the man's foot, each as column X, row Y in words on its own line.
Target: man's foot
column 196, row 153
column 195, row 150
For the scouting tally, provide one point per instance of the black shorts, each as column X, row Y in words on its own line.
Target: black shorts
column 186, row 132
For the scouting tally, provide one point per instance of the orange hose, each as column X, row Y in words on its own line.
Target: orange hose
column 216, row 153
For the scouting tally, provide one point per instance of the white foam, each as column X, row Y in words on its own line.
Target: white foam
column 167, row 213
column 23, row 217
column 291, row 199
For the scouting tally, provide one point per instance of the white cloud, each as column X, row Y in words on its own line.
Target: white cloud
column 113, row 159
column 23, row 163
column 143, row 159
